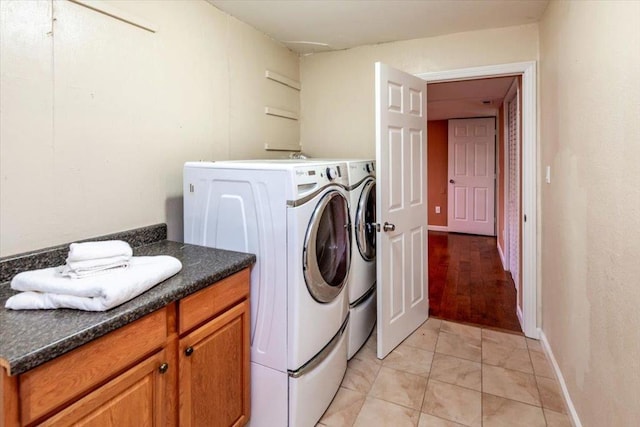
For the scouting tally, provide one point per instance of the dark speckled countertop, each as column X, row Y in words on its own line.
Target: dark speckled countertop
column 31, row 337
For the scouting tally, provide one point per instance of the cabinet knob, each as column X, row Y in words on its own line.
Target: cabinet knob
column 188, row 351
column 163, row 368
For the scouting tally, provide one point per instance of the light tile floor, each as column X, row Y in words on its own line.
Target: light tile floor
column 448, row 375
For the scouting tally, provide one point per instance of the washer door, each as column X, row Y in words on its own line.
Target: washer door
column 327, row 248
column 365, row 220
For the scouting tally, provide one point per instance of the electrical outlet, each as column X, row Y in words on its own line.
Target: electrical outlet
column 437, row 209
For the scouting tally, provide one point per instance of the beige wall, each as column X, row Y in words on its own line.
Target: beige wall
column 98, row 117
column 337, row 98
column 590, row 136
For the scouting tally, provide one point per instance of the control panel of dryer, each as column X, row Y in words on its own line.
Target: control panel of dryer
column 363, row 168
column 311, row 177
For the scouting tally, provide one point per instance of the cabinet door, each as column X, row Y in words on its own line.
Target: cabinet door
column 214, row 371
column 134, row 398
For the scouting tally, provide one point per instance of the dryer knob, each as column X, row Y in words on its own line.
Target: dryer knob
column 368, row 168
column 331, row 174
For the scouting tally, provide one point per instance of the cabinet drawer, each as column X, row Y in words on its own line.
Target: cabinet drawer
column 59, row 381
column 134, row 398
column 203, row 305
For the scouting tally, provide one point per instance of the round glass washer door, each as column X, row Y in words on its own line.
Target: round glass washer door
column 365, row 220
column 327, row 248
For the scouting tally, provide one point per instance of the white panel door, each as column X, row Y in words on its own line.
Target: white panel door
column 401, row 209
column 471, row 204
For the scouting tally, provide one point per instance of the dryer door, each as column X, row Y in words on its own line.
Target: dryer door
column 365, row 220
column 327, row 248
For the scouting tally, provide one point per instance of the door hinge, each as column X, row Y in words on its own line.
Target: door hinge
column 191, row 188
column 525, row 218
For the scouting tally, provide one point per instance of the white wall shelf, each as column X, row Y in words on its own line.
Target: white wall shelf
column 281, row 113
column 272, row 75
column 275, row 147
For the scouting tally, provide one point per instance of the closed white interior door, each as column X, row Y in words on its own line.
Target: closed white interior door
column 401, row 208
column 471, row 195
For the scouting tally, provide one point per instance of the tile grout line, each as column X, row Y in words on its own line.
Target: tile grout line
column 429, row 379
column 516, row 401
column 535, row 377
column 424, row 394
column 435, row 346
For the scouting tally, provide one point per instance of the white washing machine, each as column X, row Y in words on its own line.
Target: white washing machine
column 362, row 278
column 294, row 216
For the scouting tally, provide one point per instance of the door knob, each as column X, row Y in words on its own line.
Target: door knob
column 388, row 227
column 452, row 181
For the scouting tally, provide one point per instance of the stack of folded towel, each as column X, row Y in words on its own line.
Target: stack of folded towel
column 97, row 276
column 92, row 258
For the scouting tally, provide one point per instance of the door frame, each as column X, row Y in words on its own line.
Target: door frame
column 530, row 227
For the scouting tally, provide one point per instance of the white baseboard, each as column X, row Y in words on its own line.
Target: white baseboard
column 573, row 414
column 437, row 228
column 519, row 314
column 501, row 253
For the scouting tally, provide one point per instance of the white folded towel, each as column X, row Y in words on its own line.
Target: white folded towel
column 93, row 258
column 92, row 267
column 48, row 289
column 95, row 250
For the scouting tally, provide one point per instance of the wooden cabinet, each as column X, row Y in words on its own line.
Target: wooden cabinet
column 192, row 354
column 214, row 354
column 214, row 371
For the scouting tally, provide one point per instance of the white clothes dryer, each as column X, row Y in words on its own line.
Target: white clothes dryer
column 294, row 216
column 362, row 278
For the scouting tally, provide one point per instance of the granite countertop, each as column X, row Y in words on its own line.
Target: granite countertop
column 29, row 338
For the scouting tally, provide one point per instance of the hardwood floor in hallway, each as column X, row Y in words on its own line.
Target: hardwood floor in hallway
column 467, row 282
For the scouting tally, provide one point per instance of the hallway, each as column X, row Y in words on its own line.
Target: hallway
column 467, row 282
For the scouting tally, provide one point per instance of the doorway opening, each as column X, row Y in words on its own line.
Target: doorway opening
column 469, row 280
column 526, row 215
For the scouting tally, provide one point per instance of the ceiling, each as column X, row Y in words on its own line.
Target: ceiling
column 468, row 98
column 309, row 26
